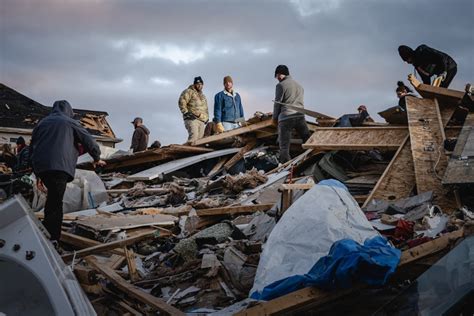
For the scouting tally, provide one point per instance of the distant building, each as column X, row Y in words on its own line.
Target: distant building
column 20, row 114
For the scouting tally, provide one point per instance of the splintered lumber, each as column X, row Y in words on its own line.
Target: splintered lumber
column 166, row 168
column 108, row 246
column 460, row 168
column 218, row 167
column 83, row 242
column 235, row 132
column 240, row 154
column 101, row 222
column 398, row 179
column 426, row 138
column 232, row 210
column 132, row 266
column 430, row 247
column 132, row 290
column 357, row 138
column 311, row 297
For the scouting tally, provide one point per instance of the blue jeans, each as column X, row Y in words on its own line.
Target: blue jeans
column 230, row 125
column 345, row 120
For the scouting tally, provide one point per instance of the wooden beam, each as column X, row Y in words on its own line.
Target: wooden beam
column 426, row 138
column 313, row 297
column 232, row 161
column 83, row 242
column 235, row 132
column 218, row 167
column 132, row 290
column 447, row 97
column 430, row 247
column 232, row 210
column 108, row 246
column 357, row 138
column 305, row 111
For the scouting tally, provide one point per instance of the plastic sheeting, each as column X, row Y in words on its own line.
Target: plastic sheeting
column 86, row 191
column 347, row 262
column 323, row 215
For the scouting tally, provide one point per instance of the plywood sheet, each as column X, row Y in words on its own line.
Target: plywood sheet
column 357, row 138
column 426, row 137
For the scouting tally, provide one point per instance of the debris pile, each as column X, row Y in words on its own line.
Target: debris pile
column 199, row 228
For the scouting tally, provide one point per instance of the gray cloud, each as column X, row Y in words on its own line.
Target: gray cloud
column 105, row 54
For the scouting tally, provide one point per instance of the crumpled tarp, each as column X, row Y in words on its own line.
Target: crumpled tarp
column 347, row 262
column 323, row 215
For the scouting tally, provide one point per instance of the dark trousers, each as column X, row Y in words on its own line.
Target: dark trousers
column 55, row 182
column 347, row 120
column 284, row 134
column 449, row 77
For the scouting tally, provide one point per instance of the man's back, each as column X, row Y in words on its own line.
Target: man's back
column 290, row 92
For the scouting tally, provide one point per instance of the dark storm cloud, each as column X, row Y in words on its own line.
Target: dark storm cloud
column 135, row 57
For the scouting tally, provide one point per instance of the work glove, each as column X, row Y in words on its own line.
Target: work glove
column 220, row 128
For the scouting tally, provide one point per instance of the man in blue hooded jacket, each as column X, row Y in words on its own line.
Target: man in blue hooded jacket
column 228, row 110
column 54, row 149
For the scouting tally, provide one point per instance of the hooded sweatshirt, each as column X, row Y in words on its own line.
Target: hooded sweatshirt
column 54, row 142
column 140, row 138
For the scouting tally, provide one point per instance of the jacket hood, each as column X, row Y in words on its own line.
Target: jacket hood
column 143, row 127
column 63, row 107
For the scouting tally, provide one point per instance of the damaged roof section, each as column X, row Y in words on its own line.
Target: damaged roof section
column 18, row 111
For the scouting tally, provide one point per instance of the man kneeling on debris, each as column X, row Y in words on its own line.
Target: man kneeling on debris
column 193, row 105
column 288, row 95
column 353, row 120
column 54, row 146
column 228, row 110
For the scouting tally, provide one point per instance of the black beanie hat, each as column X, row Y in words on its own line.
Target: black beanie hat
column 198, row 80
column 405, row 52
column 20, row 141
column 282, row 69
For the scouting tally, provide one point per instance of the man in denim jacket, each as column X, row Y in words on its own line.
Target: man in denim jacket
column 228, row 110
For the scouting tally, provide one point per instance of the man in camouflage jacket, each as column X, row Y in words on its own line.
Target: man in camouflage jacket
column 193, row 105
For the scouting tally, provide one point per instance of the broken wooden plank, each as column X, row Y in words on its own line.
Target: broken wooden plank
column 232, row 210
column 240, row 154
column 312, row 297
column 166, row 168
column 132, row 290
column 132, row 266
column 398, row 179
column 101, row 223
column 235, row 132
column 83, row 242
column 357, row 138
column 430, row 247
column 426, row 139
column 218, row 167
column 108, row 246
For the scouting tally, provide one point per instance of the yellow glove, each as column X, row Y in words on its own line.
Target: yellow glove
column 220, row 128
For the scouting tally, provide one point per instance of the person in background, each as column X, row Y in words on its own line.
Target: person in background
column 428, row 62
column 22, row 155
column 193, row 105
column 403, row 92
column 288, row 93
column 354, row 120
column 8, row 157
column 54, row 156
column 228, row 110
column 140, row 135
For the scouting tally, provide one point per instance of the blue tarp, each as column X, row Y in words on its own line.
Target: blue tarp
column 347, row 262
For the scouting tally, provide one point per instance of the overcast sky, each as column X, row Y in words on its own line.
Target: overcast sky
column 133, row 58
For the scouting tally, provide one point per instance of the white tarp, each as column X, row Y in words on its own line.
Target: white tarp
column 86, row 191
column 306, row 232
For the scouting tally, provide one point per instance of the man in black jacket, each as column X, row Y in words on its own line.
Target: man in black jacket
column 428, row 62
column 54, row 147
